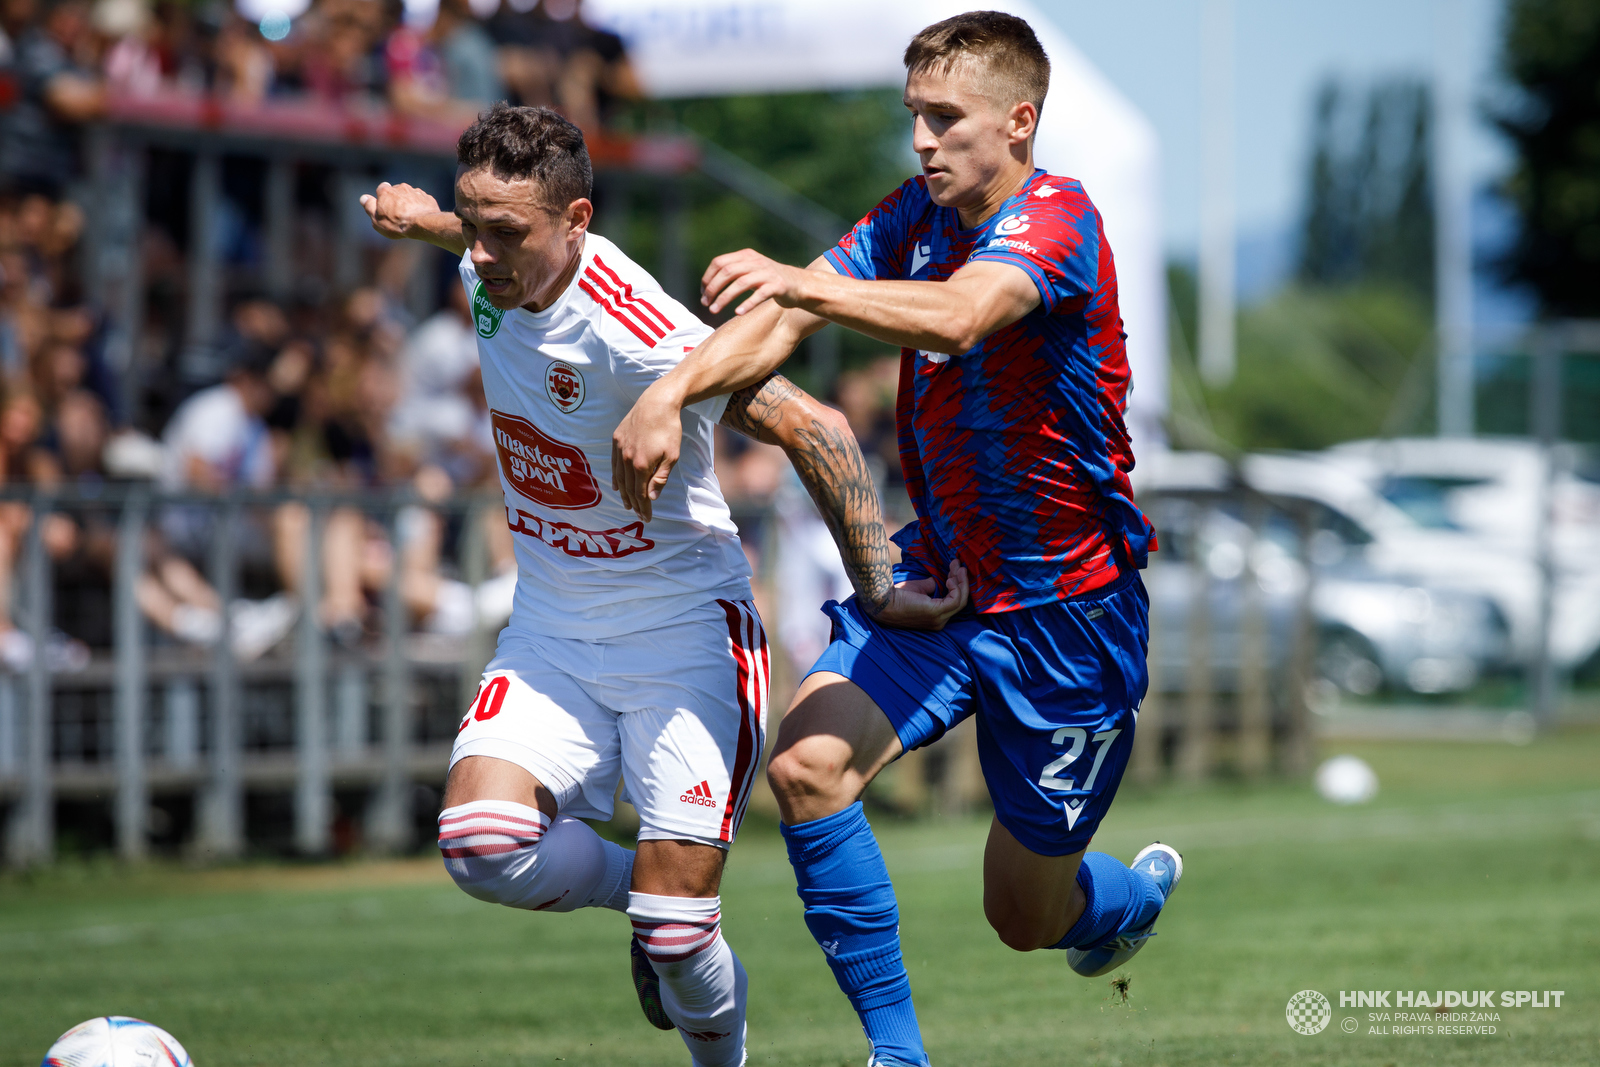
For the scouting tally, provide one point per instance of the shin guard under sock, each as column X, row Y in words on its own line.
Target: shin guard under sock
column 850, row 909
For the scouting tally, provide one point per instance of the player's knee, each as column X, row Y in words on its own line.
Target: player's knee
column 505, row 853
column 1017, row 929
column 800, row 772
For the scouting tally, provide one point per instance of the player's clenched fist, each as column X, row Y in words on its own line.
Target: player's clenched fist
column 395, row 210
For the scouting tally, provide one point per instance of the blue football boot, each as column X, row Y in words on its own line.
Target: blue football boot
column 876, row 1060
column 1156, row 861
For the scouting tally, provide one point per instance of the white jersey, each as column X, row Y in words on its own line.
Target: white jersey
column 558, row 382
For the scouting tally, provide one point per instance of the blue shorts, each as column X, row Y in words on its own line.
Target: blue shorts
column 1056, row 689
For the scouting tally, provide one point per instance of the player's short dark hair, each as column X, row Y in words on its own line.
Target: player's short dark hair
column 518, row 143
column 1015, row 66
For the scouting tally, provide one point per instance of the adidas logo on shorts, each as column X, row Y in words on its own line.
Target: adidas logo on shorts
column 701, row 795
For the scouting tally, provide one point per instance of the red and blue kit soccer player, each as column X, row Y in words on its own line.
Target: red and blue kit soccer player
column 1018, row 598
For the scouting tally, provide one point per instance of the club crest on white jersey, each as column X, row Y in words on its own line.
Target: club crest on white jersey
column 563, row 384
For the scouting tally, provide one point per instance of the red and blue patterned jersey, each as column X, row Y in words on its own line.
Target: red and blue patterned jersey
column 1015, row 453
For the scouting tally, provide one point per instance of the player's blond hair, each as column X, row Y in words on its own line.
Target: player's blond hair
column 1012, row 63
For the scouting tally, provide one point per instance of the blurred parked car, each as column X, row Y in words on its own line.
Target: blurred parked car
column 1372, row 629
column 1354, row 520
column 1490, row 487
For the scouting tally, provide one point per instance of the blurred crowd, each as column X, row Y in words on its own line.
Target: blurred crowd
column 351, row 396
column 447, row 59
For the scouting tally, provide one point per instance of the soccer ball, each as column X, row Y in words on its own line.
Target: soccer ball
column 116, row 1041
column 1347, row 780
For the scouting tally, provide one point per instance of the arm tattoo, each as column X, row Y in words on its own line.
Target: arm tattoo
column 833, row 470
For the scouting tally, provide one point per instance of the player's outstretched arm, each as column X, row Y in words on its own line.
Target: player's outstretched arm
column 404, row 210
column 951, row 316
column 820, row 444
column 741, row 352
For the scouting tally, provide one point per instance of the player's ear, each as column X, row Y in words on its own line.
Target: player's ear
column 578, row 216
column 1022, row 122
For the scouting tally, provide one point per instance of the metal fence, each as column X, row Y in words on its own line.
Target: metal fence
column 142, row 717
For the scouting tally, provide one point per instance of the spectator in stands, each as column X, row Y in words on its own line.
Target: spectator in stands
column 551, row 57
column 338, row 444
column 55, row 93
column 19, row 429
column 467, row 52
column 218, row 440
column 447, row 72
column 15, row 18
column 244, row 67
column 438, row 418
column 338, row 52
column 131, row 64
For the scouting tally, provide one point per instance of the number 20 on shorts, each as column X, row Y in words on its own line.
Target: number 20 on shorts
column 486, row 705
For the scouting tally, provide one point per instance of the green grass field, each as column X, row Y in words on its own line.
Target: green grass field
column 1477, row 867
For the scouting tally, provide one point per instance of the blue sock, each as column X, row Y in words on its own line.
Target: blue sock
column 1120, row 900
column 851, row 911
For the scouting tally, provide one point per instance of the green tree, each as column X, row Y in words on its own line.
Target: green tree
column 1552, row 54
column 1317, row 364
column 1342, row 352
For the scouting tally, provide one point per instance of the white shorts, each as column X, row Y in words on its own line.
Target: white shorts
column 679, row 712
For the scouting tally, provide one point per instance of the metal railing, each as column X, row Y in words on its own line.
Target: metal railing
column 202, row 743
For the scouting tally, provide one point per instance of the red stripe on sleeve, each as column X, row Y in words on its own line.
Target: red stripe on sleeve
column 619, row 304
column 628, row 296
column 583, row 284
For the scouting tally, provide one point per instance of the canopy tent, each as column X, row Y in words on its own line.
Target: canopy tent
column 1087, row 131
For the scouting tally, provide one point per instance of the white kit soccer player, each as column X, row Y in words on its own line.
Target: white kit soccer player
column 645, row 649
column 629, row 650
column 634, row 652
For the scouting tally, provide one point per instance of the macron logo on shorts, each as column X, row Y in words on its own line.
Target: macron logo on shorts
column 701, row 795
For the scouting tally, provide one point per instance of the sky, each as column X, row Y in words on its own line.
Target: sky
column 1283, row 49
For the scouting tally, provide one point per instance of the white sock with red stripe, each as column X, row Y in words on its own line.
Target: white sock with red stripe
column 515, row 855
column 703, row 985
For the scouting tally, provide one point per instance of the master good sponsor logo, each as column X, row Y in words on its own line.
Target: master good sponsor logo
column 484, row 314
column 541, row 468
column 584, row 544
column 563, row 384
